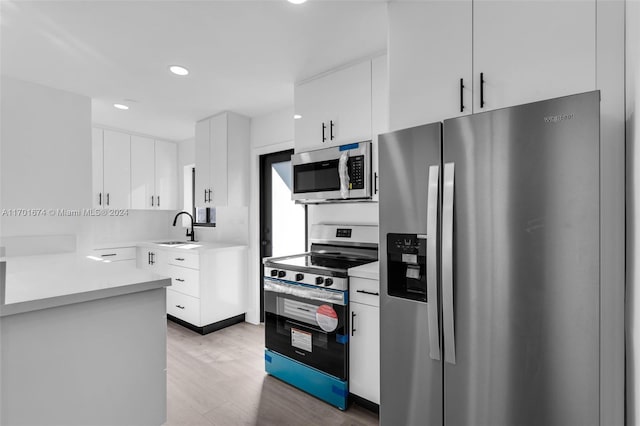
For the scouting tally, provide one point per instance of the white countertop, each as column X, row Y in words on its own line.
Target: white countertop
column 202, row 246
column 44, row 281
column 368, row 270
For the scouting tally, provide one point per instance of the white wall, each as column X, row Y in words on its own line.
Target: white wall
column 633, row 209
column 46, row 164
column 272, row 132
column 46, row 157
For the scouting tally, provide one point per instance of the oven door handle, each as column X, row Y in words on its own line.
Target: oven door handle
column 311, row 293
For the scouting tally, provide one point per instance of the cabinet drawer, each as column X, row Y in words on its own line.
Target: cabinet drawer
column 188, row 260
column 185, row 280
column 187, row 308
column 362, row 290
column 116, row 254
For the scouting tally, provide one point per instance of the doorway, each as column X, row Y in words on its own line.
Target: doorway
column 283, row 223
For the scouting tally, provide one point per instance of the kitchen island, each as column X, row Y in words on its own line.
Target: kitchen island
column 82, row 341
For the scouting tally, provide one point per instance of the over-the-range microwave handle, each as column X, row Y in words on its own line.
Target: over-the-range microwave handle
column 447, row 264
column 432, row 267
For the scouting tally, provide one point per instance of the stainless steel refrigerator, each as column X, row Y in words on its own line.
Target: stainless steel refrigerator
column 490, row 266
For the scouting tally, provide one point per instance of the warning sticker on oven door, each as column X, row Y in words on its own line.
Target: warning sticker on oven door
column 301, row 339
column 327, row 318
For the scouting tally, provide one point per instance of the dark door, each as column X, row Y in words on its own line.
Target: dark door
column 282, row 222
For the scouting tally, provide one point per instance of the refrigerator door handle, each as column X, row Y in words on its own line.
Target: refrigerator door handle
column 447, row 264
column 432, row 267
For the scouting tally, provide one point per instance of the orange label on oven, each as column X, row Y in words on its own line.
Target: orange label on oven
column 327, row 318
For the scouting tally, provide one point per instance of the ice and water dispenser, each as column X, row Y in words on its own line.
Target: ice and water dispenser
column 406, row 266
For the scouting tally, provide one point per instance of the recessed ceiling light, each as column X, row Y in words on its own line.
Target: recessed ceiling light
column 297, row 1
column 297, row 116
column 178, row 70
column 120, row 106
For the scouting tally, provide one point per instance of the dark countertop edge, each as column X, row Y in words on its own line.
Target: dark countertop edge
column 87, row 296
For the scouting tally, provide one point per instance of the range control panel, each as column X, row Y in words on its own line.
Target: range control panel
column 333, row 283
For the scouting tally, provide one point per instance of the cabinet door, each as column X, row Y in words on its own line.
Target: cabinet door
column 364, row 352
column 166, row 182
column 117, row 170
column 203, row 167
column 379, row 112
column 142, row 173
column 97, row 168
column 311, row 104
column 218, row 157
column 532, row 50
column 430, row 50
column 349, row 104
column 343, row 98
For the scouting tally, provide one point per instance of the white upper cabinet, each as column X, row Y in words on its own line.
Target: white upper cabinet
column 218, row 160
column 166, row 181
column 142, row 173
column 97, row 167
column 525, row 51
column 203, row 162
column 429, row 56
column 154, row 174
column 117, row 170
column 221, row 141
column 532, row 50
column 335, row 108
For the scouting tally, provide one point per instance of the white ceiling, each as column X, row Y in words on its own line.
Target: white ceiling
column 244, row 56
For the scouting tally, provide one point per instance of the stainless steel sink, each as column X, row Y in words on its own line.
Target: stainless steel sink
column 172, row 243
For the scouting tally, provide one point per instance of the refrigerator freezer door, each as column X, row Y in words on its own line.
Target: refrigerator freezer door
column 411, row 381
column 526, row 265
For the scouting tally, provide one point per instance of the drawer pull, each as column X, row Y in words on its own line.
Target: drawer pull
column 368, row 292
column 179, row 307
column 180, row 259
column 107, row 255
column 180, row 279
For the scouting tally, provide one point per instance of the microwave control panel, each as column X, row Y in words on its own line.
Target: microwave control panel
column 356, row 172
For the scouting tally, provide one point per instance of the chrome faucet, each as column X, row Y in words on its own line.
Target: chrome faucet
column 189, row 234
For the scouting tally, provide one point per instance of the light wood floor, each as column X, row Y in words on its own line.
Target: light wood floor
column 219, row 380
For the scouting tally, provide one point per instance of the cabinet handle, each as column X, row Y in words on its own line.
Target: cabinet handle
column 108, row 255
column 353, row 317
column 324, row 126
column 100, row 199
column 107, row 198
column 149, row 257
column 331, row 129
column 368, row 292
column 205, row 195
column 179, row 306
column 180, row 259
column 152, row 201
column 180, row 279
column 375, row 183
column 481, row 90
column 461, row 95
column 210, row 191
column 158, row 201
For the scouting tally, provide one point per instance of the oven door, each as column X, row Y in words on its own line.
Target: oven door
column 307, row 324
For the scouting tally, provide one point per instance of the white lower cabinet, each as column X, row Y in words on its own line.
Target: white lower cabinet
column 207, row 287
column 364, row 344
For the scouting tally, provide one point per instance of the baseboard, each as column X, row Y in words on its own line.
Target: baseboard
column 364, row 403
column 210, row 328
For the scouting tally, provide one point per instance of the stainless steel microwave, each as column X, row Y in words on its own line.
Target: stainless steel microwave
column 340, row 173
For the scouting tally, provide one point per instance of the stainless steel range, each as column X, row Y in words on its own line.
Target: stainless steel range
column 306, row 310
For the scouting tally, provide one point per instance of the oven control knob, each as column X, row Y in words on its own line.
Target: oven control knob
column 299, row 277
column 281, row 274
column 328, row 282
column 319, row 280
column 274, row 272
